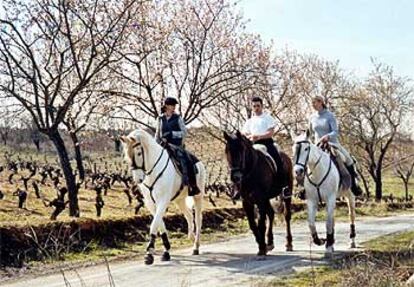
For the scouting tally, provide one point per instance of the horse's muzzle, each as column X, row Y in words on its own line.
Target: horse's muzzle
column 299, row 175
column 236, row 177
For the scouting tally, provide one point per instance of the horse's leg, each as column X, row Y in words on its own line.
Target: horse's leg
column 188, row 214
column 198, row 206
column 155, row 225
column 164, row 236
column 351, row 207
column 288, row 216
column 330, row 224
column 262, row 228
column 269, row 233
column 249, row 210
column 312, row 209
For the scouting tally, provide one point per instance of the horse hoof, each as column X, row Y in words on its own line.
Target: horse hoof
column 261, row 253
column 319, row 241
column 148, row 259
column 166, row 256
column 289, row 248
column 196, row 252
column 269, row 247
column 353, row 245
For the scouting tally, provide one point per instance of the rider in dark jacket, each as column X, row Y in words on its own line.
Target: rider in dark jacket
column 171, row 129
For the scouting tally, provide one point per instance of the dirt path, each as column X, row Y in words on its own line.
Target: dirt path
column 230, row 263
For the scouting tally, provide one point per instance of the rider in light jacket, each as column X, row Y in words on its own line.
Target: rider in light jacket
column 324, row 126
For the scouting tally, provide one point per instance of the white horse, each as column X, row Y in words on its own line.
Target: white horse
column 160, row 183
column 316, row 170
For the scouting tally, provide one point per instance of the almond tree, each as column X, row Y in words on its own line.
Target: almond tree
column 403, row 160
column 192, row 50
column 375, row 111
column 50, row 51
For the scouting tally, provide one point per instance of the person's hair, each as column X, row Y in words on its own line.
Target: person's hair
column 163, row 108
column 257, row 99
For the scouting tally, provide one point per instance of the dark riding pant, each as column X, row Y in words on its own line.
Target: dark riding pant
column 188, row 171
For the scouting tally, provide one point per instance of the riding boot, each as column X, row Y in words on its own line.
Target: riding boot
column 356, row 190
column 184, row 168
column 192, row 186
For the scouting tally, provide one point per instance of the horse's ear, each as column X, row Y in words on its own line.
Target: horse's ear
column 238, row 134
column 307, row 134
column 226, row 136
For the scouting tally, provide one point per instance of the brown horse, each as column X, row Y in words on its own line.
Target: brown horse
column 255, row 180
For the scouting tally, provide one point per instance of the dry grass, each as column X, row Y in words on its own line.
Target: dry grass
column 116, row 202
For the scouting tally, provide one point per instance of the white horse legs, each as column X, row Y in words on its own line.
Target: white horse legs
column 351, row 207
column 156, row 224
column 312, row 209
column 188, row 214
column 198, row 206
column 330, row 226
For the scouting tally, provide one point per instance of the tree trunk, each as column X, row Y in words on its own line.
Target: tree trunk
column 117, row 144
column 37, row 144
column 68, row 173
column 78, row 155
column 406, row 189
column 378, row 183
column 366, row 185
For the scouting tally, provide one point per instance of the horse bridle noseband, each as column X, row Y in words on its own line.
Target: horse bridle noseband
column 305, row 167
column 134, row 166
column 242, row 168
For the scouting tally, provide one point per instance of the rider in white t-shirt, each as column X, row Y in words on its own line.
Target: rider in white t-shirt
column 260, row 129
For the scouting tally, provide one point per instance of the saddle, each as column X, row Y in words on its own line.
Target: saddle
column 192, row 160
column 262, row 148
column 344, row 176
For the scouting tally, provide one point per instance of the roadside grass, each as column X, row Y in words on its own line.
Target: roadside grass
column 387, row 261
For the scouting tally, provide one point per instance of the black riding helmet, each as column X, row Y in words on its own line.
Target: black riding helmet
column 170, row 101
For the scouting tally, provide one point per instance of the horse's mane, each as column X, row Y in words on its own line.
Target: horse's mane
column 139, row 134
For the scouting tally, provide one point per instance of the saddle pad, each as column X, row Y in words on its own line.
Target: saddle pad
column 263, row 149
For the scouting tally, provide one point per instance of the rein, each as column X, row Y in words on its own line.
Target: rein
column 134, row 166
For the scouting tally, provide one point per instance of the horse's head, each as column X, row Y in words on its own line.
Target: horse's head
column 301, row 151
column 134, row 154
column 236, row 150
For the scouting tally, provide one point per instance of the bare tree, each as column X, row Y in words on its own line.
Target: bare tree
column 193, row 50
column 50, row 51
column 403, row 160
column 375, row 111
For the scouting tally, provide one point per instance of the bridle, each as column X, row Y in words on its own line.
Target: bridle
column 305, row 166
column 134, row 166
column 242, row 169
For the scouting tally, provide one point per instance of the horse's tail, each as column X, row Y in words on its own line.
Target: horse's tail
column 201, row 177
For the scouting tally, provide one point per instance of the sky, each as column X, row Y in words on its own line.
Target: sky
column 350, row 31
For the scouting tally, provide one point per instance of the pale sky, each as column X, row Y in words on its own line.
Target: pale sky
column 350, row 31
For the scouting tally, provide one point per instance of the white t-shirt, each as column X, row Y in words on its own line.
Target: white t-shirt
column 259, row 125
